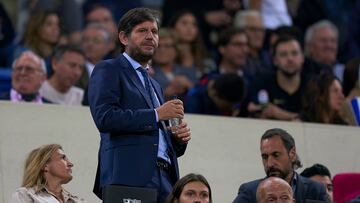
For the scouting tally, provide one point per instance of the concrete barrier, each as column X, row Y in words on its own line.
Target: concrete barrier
column 225, row 150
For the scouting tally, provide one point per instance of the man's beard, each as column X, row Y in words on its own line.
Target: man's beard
column 274, row 172
column 289, row 74
column 139, row 56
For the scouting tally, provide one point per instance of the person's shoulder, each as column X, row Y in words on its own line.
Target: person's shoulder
column 22, row 194
column 312, row 185
column 247, row 192
column 251, row 185
column 5, row 96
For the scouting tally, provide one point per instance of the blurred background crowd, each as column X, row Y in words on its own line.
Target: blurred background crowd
column 295, row 60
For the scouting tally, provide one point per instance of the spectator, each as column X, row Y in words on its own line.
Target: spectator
column 47, row 168
column 322, row 100
column 192, row 50
column 68, row 62
column 321, row 174
column 29, row 72
column 213, row 15
column 102, row 15
column 42, row 33
column 69, row 12
column 273, row 189
column 220, row 96
column 95, row 43
column 274, row 13
column 175, row 79
column 277, row 95
column 7, row 35
column 251, row 22
column 191, row 188
column 280, row 159
column 351, row 89
column 321, row 46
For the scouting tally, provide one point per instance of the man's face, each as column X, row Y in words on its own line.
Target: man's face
column 255, row 31
column 27, row 75
column 323, row 46
column 94, row 44
column 326, row 181
column 276, row 160
column 104, row 17
column 166, row 53
column 69, row 68
column 236, row 51
column 141, row 43
column 289, row 58
column 276, row 191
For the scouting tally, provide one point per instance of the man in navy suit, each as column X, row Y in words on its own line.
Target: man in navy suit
column 279, row 157
column 137, row 147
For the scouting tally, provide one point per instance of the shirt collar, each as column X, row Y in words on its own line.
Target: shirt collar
column 134, row 63
column 16, row 97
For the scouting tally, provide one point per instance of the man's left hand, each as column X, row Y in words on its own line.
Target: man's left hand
column 181, row 133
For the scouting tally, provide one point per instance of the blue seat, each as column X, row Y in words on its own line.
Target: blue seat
column 5, row 79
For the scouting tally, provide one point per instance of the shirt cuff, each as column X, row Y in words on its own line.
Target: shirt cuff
column 156, row 116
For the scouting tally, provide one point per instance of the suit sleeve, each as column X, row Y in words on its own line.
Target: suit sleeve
column 110, row 111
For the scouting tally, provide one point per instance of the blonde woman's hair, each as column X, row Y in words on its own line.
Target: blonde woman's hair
column 35, row 164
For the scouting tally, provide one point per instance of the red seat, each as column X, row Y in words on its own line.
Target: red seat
column 346, row 187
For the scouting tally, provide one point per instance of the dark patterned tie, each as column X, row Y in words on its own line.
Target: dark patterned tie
column 149, row 87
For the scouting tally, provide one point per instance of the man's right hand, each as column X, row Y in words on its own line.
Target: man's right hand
column 171, row 109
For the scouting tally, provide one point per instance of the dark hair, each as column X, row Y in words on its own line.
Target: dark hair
column 32, row 37
column 227, row 34
column 287, row 140
column 316, row 169
column 60, row 50
column 180, row 184
column 94, row 7
column 198, row 48
column 283, row 39
column 135, row 17
column 287, row 30
column 316, row 98
column 351, row 75
column 229, row 87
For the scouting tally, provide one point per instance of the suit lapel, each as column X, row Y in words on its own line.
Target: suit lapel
column 131, row 73
column 301, row 189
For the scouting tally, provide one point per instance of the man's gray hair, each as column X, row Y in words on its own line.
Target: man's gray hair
column 29, row 52
column 99, row 26
column 240, row 17
column 318, row 25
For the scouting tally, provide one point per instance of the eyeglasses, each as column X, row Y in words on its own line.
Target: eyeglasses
column 26, row 69
column 95, row 40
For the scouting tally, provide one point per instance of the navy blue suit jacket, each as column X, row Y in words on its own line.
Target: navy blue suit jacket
column 123, row 113
column 305, row 189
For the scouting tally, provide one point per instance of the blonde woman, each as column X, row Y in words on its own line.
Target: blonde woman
column 47, row 168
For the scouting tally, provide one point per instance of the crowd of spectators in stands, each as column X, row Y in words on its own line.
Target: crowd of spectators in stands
column 296, row 62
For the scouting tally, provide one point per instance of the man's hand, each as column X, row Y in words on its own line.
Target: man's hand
column 171, row 109
column 181, row 133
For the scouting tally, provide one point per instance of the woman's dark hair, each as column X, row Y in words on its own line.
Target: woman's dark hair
column 198, row 48
column 351, row 75
column 180, row 184
column 316, row 107
column 32, row 31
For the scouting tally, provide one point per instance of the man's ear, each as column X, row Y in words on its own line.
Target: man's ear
column 123, row 38
column 292, row 154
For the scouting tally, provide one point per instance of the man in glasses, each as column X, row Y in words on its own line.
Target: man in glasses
column 29, row 72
